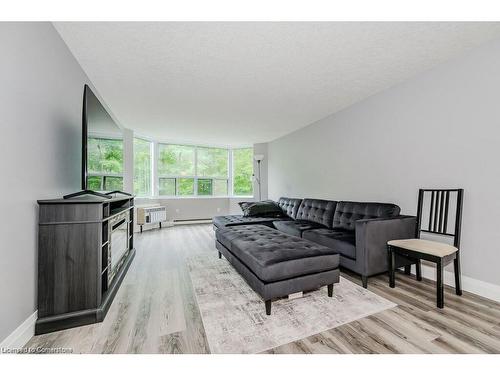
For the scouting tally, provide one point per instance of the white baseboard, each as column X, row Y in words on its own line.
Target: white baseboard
column 21, row 335
column 481, row 288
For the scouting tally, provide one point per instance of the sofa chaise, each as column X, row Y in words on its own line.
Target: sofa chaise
column 276, row 264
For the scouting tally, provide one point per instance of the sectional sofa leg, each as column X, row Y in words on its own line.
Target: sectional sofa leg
column 268, row 307
column 364, row 280
column 330, row 290
column 220, row 255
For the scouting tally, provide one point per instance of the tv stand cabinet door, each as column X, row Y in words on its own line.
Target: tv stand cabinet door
column 68, row 268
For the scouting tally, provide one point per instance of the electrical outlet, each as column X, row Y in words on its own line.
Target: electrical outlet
column 218, row 209
column 177, row 210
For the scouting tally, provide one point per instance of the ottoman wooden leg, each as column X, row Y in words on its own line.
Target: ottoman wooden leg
column 268, row 307
column 364, row 281
column 330, row 290
column 220, row 255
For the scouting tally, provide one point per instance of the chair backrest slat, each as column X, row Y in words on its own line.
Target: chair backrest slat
column 439, row 211
column 436, row 205
column 432, row 211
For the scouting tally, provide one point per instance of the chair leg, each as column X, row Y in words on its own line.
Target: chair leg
column 390, row 255
column 268, row 307
column 458, row 285
column 364, row 281
column 418, row 267
column 408, row 270
column 440, row 287
column 220, row 255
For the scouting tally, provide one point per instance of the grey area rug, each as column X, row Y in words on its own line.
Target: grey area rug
column 234, row 316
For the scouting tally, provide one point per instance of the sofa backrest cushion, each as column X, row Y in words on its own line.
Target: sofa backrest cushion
column 289, row 206
column 346, row 213
column 317, row 210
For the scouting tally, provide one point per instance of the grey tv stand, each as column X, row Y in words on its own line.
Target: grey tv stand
column 74, row 283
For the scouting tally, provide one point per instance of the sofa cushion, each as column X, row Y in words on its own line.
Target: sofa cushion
column 289, row 206
column 295, row 227
column 231, row 220
column 346, row 213
column 266, row 208
column 342, row 241
column 317, row 210
column 272, row 255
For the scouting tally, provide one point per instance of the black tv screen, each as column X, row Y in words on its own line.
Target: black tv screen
column 102, row 147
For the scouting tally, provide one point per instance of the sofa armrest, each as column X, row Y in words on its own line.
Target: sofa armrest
column 371, row 241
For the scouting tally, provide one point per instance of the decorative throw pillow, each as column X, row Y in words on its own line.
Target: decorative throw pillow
column 263, row 209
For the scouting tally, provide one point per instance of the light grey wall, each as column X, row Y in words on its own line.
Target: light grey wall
column 40, row 150
column 440, row 129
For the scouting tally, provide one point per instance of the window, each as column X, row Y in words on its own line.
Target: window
column 220, row 187
column 205, row 187
column 166, row 186
column 142, row 167
column 242, row 171
column 176, row 169
column 105, row 164
column 212, row 162
column 185, row 186
column 192, row 170
column 176, row 160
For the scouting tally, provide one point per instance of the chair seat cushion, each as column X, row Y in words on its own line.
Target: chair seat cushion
column 435, row 248
column 342, row 241
column 230, row 220
column 296, row 227
column 272, row 255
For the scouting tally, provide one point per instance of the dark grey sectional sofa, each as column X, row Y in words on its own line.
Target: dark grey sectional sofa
column 357, row 231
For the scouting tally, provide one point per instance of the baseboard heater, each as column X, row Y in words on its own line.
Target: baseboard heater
column 191, row 221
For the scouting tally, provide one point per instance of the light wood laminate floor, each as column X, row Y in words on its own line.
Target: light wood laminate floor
column 155, row 311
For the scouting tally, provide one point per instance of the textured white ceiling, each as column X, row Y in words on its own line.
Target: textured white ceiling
column 240, row 83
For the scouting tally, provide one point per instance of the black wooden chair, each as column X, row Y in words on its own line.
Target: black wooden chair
column 433, row 251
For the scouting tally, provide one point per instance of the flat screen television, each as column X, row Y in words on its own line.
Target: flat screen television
column 96, row 124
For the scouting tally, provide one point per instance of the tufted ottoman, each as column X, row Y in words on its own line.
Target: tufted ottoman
column 276, row 264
